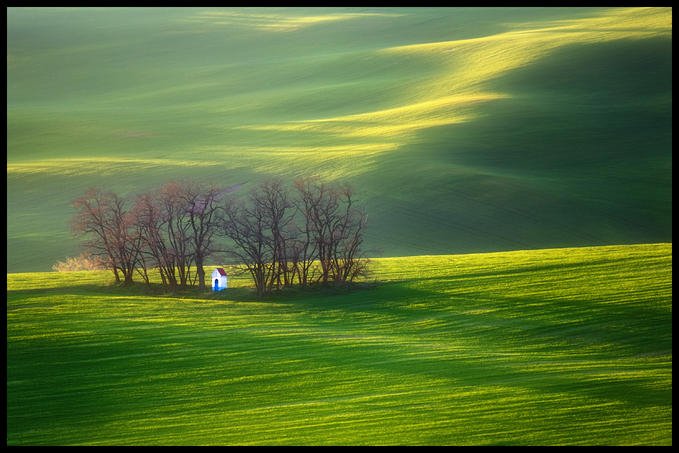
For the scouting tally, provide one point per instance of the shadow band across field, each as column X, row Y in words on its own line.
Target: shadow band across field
column 489, row 371
column 552, row 340
column 135, row 290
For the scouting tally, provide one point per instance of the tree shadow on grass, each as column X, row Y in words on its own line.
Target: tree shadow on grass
column 119, row 289
column 156, row 290
column 561, row 378
column 541, row 355
column 563, row 334
column 543, row 338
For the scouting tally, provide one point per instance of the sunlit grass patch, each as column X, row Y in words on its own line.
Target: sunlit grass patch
column 99, row 165
column 274, row 22
column 565, row 346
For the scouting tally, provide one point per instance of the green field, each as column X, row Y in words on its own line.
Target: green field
column 462, row 129
column 541, row 137
column 543, row 347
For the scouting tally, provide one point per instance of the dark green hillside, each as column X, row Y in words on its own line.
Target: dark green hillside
column 578, row 155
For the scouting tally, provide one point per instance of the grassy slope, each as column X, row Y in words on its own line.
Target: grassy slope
column 563, row 346
column 479, row 129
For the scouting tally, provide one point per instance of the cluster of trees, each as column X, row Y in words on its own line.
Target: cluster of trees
column 310, row 233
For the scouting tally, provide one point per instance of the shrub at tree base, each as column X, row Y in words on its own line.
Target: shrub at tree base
column 82, row 262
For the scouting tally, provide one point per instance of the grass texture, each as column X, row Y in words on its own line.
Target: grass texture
column 567, row 346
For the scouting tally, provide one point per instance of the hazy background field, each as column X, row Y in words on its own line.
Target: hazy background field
column 463, row 129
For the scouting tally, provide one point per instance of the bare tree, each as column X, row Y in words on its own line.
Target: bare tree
column 202, row 205
column 177, row 229
column 347, row 260
column 177, row 224
column 149, row 222
column 261, row 228
column 304, row 247
column 162, row 219
column 246, row 227
column 335, row 227
column 145, row 218
column 102, row 217
column 320, row 206
column 272, row 199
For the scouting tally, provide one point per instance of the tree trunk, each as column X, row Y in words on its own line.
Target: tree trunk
column 200, row 271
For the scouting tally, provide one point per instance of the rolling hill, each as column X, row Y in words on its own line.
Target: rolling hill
column 462, row 129
column 542, row 347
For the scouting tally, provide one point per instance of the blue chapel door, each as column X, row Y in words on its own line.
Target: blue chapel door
column 216, row 284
